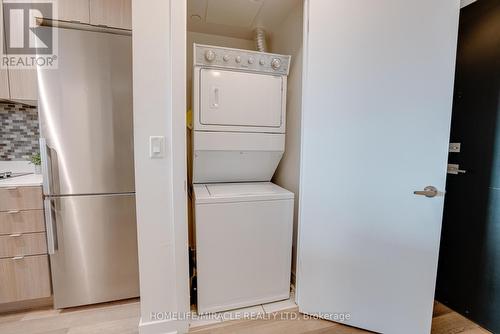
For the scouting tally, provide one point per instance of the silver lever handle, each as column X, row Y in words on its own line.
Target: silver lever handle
column 50, row 228
column 47, row 177
column 428, row 191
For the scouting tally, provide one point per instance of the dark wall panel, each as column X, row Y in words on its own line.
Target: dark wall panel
column 469, row 264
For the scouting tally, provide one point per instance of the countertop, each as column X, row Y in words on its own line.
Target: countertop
column 29, row 180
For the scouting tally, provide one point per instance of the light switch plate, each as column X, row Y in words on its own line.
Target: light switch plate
column 156, row 147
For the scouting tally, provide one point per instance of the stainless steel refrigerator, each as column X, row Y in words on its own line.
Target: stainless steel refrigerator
column 85, row 110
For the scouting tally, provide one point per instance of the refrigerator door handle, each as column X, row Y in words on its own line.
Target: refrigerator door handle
column 47, row 204
column 47, row 175
column 50, row 226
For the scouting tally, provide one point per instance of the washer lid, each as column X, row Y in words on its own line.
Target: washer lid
column 239, row 192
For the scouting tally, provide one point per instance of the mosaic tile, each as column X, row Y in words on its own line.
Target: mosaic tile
column 19, row 132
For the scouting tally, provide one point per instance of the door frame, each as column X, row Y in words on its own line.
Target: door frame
column 305, row 57
column 159, row 79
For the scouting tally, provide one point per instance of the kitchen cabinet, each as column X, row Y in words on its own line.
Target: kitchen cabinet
column 23, row 85
column 4, row 79
column 4, row 84
column 24, row 263
column 74, row 10
column 19, row 244
column 21, row 221
column 24, row 278
column 14, row 199
column 111, row 13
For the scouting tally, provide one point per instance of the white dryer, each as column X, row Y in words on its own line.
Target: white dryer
column 239, row 104
column 243, row 244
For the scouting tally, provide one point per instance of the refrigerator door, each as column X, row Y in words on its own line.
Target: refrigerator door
column 96, row 256
column 86, row 114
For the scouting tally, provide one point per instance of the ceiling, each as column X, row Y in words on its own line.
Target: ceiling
column 237, row 18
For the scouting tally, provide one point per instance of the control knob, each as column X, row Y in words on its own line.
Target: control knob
column 238, row 59
column 210, row 55
column 250, row 60
column 226, row 58
column 276, row 63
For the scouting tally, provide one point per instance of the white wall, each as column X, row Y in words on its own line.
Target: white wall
column 464, row 3
column 208, row 39
column 159, row 110
column 288, row 40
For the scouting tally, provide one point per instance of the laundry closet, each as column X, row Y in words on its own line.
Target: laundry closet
column 243, row 82
column 337, row 187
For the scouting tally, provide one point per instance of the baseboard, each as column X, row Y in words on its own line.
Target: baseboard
column 26, row 305
column 168, row 326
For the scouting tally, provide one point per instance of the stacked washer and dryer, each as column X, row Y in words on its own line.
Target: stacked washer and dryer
column 242, row 221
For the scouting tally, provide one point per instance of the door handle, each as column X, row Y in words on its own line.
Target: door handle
column 50, row 227
column 215, row 97
column 47, row 175
column 428, row 191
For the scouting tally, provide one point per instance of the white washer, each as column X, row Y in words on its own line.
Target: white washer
column 243, row 237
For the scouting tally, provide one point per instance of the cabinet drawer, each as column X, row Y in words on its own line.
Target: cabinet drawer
column 21, row 221
column 24, row 278
column 21, row 198
column 23, row 244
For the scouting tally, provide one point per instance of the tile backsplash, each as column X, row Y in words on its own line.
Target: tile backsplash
column 19, row 131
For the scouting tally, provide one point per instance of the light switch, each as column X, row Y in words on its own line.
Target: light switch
column 156, row 147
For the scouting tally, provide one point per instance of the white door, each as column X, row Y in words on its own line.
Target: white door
column 240, row 99
column 377, row 108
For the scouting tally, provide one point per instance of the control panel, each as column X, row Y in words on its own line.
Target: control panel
column 213, row 56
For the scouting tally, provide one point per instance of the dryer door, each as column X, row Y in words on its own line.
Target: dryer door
column 240, row 99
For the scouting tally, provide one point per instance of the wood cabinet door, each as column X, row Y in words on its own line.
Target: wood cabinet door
column 4, row 78
column 21, row 221
column 20, row 198
column 111, row 13
column 74, row 10
column 23, row 84
column 4, row 84
column 23, row 244
column 24, row 278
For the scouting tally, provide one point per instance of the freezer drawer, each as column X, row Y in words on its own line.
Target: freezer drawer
column 96, row 256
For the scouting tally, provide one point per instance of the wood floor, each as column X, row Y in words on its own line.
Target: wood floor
column 123, row 317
